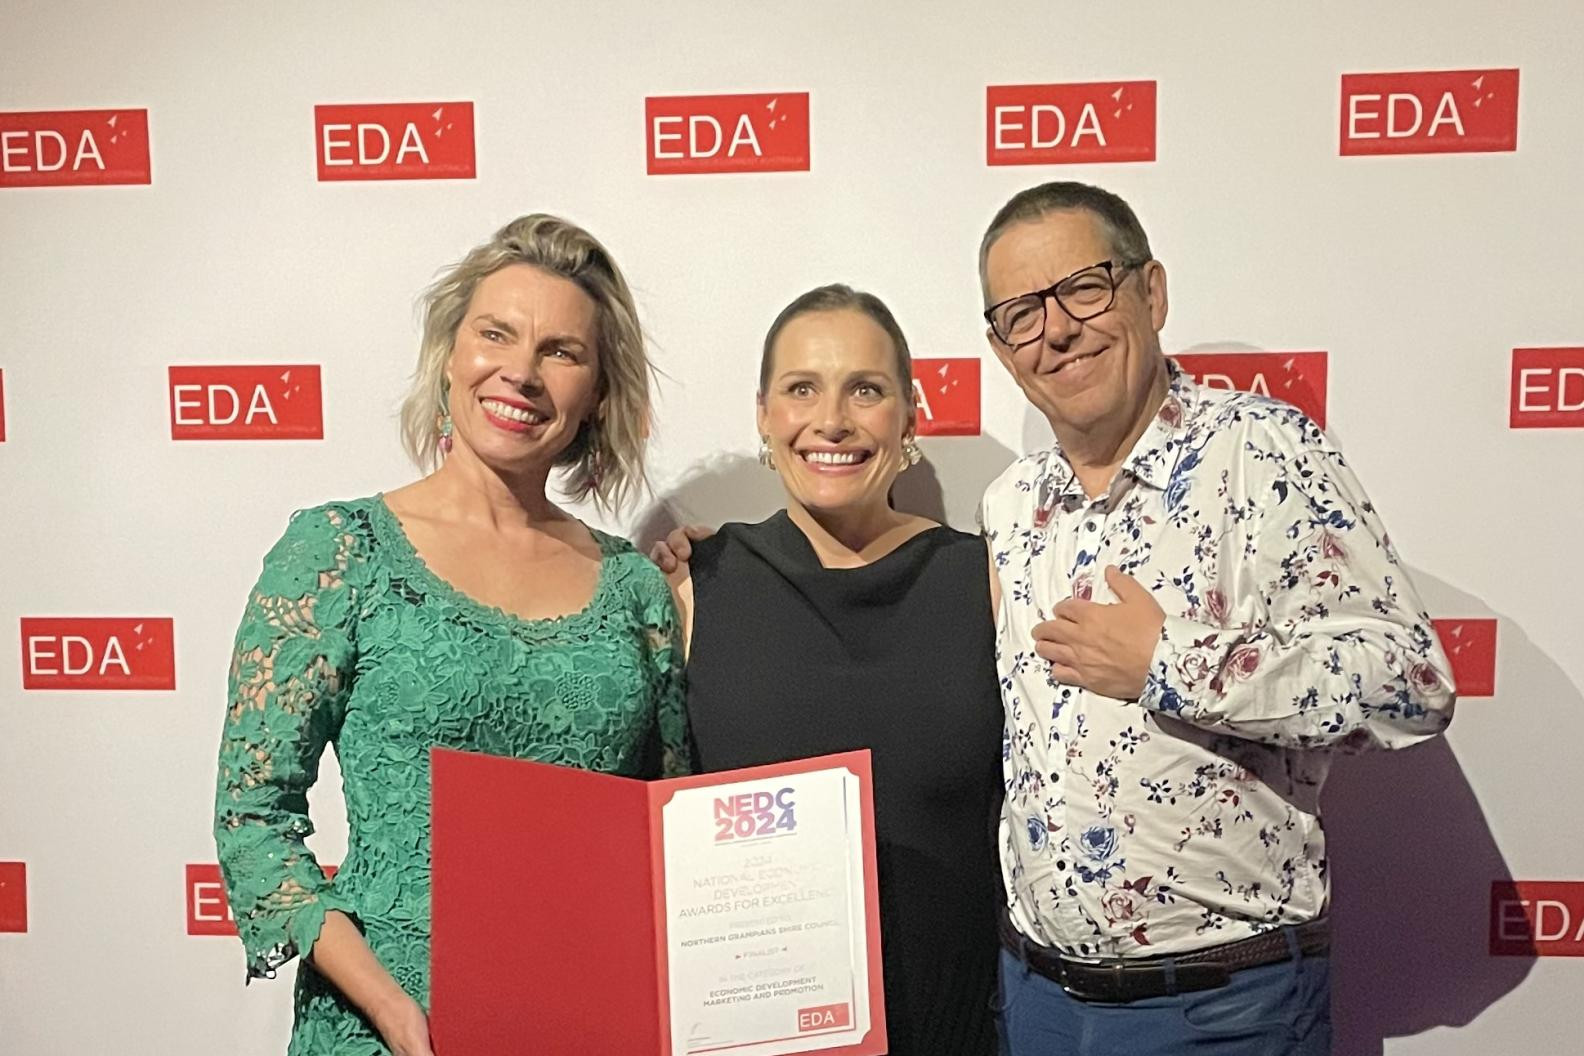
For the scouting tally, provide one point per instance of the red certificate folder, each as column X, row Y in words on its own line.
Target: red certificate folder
column 548, row 907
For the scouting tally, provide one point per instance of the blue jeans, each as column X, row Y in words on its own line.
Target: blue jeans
column 1275, row 1010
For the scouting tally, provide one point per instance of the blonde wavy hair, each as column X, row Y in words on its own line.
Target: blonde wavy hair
column 606, row 458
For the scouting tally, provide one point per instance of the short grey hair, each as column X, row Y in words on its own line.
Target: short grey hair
column 1122, row 227
column 606, row 459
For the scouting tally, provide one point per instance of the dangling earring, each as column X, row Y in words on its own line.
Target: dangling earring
column 765, row 458
column 596, row 471
column 443, row 426
column 911, row 455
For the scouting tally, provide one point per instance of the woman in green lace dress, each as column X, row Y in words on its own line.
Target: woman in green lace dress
column 464, row 610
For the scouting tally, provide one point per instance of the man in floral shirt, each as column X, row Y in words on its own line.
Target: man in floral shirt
column 1196, row 606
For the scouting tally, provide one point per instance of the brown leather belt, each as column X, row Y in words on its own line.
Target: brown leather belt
column 1121, row 980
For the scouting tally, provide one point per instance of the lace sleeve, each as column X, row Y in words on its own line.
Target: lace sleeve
column 666, row 679
column 290, row 676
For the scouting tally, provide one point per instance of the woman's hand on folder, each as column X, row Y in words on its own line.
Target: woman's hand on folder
column 404, row 1027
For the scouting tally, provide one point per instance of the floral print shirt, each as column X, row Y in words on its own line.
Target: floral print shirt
column 1190, row 817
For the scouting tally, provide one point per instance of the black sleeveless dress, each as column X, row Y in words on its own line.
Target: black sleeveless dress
column 792, row 659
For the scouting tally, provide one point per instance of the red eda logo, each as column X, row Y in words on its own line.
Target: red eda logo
column 689, row 134
column 946, row 393
column 750, row 815
column 208, row 908
column 1547, row 388
column 13, row 896
column 2, row 406
column 98, row 652
column 1537, row 918
column 824, row 1017
column 246, row 402
column 1471, row 647
column 394, row 141
column 1433, row 112
column 1055, row 124
column 67, row 148
column 1298, row 378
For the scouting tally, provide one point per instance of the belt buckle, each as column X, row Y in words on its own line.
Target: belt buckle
column 1078, row 994
column 1113, row 973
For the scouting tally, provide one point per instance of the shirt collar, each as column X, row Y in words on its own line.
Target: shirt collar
column 1154, row 455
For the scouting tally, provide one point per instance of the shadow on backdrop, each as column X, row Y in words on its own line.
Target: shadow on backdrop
column 1412, row 863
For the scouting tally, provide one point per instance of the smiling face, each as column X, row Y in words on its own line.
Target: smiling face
column 835, row 412
column 524, row 370
column 1091, row 376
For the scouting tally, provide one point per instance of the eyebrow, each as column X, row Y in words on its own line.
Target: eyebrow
column 1051, row 285
column 495, row 322
column 866, row 374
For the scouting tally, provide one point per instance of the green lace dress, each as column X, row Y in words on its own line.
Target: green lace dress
column 349, row 640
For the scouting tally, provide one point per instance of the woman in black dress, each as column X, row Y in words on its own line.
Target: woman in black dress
column 840, row 623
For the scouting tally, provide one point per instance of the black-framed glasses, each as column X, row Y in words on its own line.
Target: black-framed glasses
column 1084, row 294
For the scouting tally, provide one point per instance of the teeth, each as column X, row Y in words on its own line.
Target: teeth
column 515, row 414
column 834, row 458
column 1076, row 359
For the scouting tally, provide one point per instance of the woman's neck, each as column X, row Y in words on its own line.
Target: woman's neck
column 849, row 538
column 465, row 488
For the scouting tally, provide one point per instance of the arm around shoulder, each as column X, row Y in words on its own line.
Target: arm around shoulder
column 680, row 580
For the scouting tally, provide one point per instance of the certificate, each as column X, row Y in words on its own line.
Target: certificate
column 733, row 913
column 766, row 923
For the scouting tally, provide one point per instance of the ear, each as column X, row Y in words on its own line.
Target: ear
column 910, row 425
column 1001, row 350
column 909, row 393
column 761, row 415
column 1155, row 290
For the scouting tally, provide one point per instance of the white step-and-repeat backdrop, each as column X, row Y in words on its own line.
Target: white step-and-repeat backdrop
column 214, row 219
